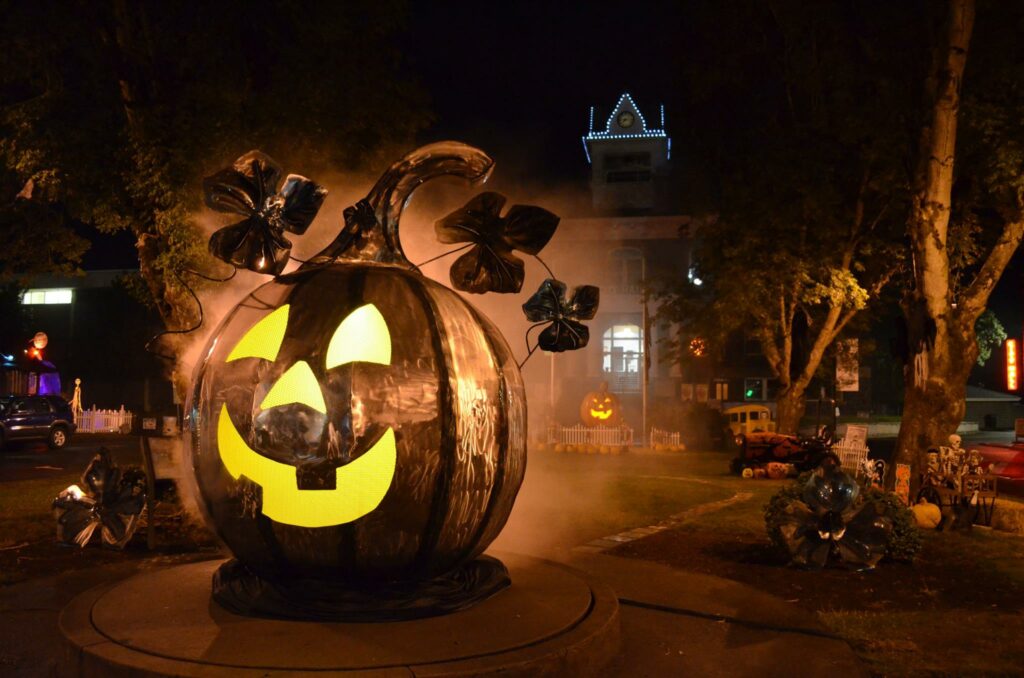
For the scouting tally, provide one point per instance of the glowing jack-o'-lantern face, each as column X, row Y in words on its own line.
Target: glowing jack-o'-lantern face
column 358, row 421
column 361, row 484
column 600, row 408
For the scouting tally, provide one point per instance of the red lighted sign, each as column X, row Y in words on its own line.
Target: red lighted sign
column 1012, row 372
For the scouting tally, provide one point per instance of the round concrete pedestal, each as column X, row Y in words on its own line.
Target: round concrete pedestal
column 552, row 620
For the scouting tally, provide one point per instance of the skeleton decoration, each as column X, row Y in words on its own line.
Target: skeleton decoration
column 872, row 471
column 831, row 521
column 357, row 430
column 952, row 467
column 111, row 503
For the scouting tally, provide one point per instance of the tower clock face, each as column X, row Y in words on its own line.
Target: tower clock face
column 626, row 119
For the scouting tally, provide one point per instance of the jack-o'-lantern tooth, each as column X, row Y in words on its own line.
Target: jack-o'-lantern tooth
column 362, row 336
column 297, row 385
column 263, row 340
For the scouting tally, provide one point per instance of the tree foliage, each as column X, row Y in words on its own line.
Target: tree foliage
column 990, row 335
column 810, row 184
column 114, row 111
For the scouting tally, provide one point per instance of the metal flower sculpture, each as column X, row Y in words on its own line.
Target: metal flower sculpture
column 490, row 266
column 829, row 521
column 250, row 188
column 112, row 503
column 565, row 331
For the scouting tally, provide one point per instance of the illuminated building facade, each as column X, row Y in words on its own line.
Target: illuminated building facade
column 632, row 229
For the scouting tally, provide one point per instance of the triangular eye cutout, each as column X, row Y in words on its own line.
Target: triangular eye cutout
column 362, row 336
column 263, row 340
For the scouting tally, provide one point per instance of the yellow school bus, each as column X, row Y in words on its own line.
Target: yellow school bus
column 745, row 419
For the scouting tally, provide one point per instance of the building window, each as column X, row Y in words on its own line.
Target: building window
column 721, row 390
column 626, row 271
column 628, row 177
column 753, row 388
column 627, row 167
column 623, row 357
column 63, row 295
column 629, row 161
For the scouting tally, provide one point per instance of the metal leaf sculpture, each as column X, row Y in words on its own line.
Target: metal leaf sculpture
column 112, row 503
column 548, row 304
column 250, row 188
column 829, row 521
column 490, row 266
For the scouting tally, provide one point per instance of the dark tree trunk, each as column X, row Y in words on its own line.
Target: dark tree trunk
column 789, row 405
column 933, row 409
column 942, row 347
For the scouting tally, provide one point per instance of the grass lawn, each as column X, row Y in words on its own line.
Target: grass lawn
column 569, row 499
column 25, row 513
column 958, row 610
column 28, row 529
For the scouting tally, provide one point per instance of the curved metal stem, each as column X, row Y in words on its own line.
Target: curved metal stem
column 389, row 196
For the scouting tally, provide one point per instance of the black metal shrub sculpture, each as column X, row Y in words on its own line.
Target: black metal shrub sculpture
column 111, row 503
column 825, row 516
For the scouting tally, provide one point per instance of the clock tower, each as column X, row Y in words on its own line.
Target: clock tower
column 629, row 159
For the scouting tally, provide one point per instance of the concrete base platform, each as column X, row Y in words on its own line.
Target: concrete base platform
column 553, row 620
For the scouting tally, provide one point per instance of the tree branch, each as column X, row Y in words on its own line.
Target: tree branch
column 974, row 300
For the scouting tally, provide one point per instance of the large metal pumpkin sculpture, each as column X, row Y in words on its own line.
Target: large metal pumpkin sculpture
column 355, row 421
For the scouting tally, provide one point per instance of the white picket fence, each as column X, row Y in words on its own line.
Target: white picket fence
column 659, row 437
column 579, row 434
column 851, row 455
column 104, row 421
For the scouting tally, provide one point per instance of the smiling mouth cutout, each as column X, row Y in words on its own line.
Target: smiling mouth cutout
column 360, row 485
column 600, row 414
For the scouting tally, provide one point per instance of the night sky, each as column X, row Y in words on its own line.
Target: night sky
column 518, row 79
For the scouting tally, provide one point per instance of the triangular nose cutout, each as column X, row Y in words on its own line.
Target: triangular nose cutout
column 297, row 385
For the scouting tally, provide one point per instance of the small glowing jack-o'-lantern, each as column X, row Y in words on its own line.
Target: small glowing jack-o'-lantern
column 600, row 408
column 354, row 420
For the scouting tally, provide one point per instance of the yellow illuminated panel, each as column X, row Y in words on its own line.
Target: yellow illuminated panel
column 362, row 336
column 297, row 385
column 361, row 484
column 1011, row 365
column 263, row 340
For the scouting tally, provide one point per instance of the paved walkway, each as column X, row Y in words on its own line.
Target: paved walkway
column 677, row 623
column 674, row 623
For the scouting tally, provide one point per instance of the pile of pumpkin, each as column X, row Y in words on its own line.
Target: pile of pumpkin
column 774, row 470
column 579, row 449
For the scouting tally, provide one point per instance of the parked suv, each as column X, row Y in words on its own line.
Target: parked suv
column 46, row 418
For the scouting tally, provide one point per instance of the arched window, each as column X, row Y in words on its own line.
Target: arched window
column 623, row 357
